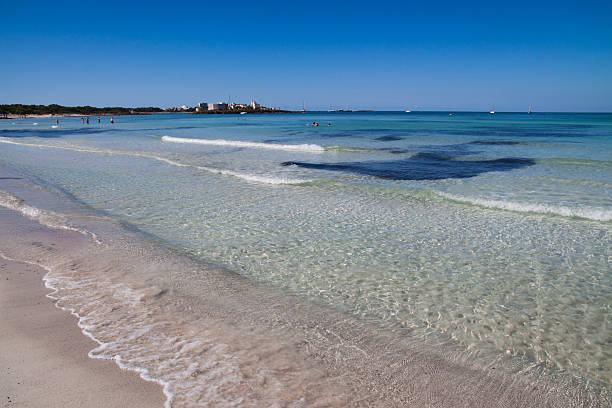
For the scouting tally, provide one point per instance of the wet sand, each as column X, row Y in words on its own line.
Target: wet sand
column 43, row 354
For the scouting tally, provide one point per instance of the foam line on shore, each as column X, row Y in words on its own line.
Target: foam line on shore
column 594, row 214
column 244, row 176
column 47, row 218
column 190, row 367
column 309, row 148
column 51, row 283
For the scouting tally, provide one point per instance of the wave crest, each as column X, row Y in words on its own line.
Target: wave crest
column 244, row 176
column 47, row 218
column 310, row 148
column 595, row 214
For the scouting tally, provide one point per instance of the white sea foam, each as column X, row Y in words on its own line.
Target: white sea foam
column 244, row 176
column 75, row 149
column 310, row 148
column 44, row 217
column 596, row 214
column 53, row 283
column 191, row 368
column 256, row 178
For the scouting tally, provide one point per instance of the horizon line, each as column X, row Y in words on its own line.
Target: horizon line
column 355, row 110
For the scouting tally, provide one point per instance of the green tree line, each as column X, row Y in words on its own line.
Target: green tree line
column 54, row 109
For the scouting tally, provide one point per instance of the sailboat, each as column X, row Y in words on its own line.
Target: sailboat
column 529, row 111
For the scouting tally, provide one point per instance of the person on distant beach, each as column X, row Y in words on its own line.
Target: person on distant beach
column 112, row 120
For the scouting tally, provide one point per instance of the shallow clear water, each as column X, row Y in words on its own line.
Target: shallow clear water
column 490, row 231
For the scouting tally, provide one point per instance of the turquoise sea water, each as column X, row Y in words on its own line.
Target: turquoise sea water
column 490, row 231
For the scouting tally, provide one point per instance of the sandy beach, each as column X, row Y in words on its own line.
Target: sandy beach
column 43, row 354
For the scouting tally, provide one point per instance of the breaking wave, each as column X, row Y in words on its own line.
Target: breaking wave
column 595, row 214
column 44, row 217
column 245, row 176
column 310, row 148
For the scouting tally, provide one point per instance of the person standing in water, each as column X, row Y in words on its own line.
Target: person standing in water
column 88, row 120
column 98, row 119
column 57, row 121
column 82, row 119
column 112, row 120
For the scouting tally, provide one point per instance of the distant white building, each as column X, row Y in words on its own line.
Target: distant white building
column 255, row 105
column 217, row 106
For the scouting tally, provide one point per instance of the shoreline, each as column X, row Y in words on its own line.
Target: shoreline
column 304, row 353
column 44, row 355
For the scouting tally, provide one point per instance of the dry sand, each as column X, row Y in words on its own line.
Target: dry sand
column 43, row 354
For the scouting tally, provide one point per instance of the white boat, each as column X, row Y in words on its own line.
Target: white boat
column 491, row 112
column 243, row 113
column 408, row 111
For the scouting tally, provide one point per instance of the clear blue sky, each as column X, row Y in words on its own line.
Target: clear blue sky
column 380, row 55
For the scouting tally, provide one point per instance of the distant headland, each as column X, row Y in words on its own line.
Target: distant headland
column 19, row 110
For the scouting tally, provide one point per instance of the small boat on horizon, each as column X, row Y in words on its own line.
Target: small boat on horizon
column 407, row 111
column 529, row 111
column 491, row 111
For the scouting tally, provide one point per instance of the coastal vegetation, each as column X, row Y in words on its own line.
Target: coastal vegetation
column 54, row 109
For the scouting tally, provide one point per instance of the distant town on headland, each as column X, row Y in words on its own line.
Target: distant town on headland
column 225, row 107
column 13, row 110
